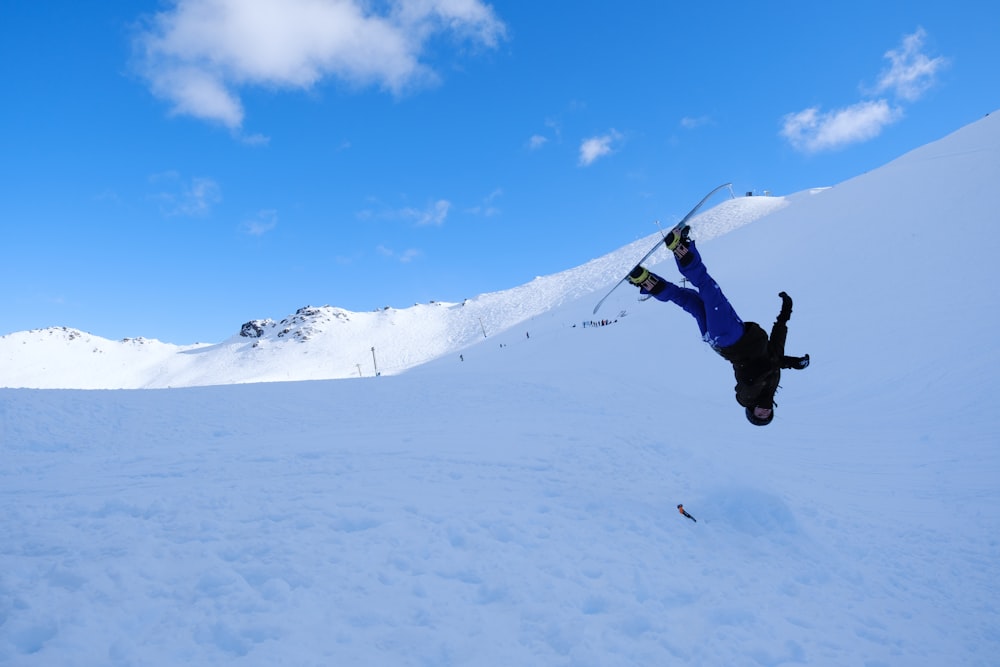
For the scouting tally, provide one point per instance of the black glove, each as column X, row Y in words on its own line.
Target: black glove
column 786, row 307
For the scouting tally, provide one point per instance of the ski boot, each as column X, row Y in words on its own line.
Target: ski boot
column 645, row 280
column 677, row 243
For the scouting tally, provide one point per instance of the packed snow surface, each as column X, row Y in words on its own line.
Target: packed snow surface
column 510, row 499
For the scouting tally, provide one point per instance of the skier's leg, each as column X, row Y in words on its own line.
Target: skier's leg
column 724, row 326
column 664, row 290
column 689, row 300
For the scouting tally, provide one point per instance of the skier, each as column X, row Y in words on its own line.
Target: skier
column 757, row 359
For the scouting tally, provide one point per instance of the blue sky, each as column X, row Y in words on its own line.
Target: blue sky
column 172, row 170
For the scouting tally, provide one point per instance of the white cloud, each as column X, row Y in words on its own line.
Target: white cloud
column 195, row 92
column 911, row 72
column 909, row 75
column 597, row 147
column 811, row 131
column 262, row 223
column 200, row 196
column 199, row 53
column 537, row 141
column 434, row 214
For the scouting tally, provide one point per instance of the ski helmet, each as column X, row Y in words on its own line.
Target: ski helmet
column 759, row 421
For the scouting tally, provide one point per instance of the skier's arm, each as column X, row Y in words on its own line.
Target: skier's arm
column 779, row 332
column 798, row 363
column 786, row 307
column 778, row 335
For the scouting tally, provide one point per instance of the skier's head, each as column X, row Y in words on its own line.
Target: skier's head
column 760, row 416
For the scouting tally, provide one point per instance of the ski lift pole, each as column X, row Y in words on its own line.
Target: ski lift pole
column 374, row 361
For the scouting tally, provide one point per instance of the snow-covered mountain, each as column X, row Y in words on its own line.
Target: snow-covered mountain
column 511, row 500
column 317, row 343
column 330, row 343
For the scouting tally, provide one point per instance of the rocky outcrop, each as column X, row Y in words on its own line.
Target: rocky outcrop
column 255, row 328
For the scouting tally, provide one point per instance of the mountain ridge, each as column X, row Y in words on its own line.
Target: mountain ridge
column 340, row 341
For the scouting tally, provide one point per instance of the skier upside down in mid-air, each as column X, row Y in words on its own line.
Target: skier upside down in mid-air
column 757, row 360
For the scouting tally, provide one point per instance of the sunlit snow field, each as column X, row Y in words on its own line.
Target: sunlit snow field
column 510, row 499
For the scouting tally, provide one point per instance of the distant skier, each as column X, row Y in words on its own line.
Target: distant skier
column 757, row 359
column 680, row 508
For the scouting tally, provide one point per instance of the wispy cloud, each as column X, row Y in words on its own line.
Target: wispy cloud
column 537, row 141
column 909, row 75
column 198, row 54
column 911, row 72
column 434, row 214
column 553, row 133
column 254, row 139
column 402, row 257
column 193, row 198
column 811, row 130
column 264, row 221
column 488, row 207
column 108, row 195
column 693, row 122
column 595, row 148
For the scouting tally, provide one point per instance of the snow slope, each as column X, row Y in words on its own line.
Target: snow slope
column 517, row 505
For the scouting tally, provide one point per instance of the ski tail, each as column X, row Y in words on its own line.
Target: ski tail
column 697, row 207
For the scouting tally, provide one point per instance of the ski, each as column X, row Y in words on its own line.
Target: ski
column 659, row 242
